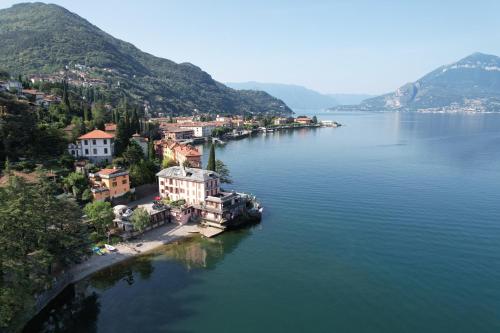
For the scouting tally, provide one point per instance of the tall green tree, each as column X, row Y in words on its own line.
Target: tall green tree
column 135, row 126
column 100, row 214
column 37, row 230
column 98, row 115
column 133, row 154
column 223, row 171
column 76, row 183
column 211, row 158
column 140, row 219
column 122, row 137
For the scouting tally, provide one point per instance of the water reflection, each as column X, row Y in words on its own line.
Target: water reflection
column 202, row 252
column 98, row 302
column 76, row 309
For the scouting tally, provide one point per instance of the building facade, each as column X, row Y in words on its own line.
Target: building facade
column 109, row 183
column 192, row 185
column 203, row 198
column 96, row 146
column 200, row 130
column 178, row 134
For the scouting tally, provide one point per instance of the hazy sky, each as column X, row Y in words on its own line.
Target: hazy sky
column 330, row 46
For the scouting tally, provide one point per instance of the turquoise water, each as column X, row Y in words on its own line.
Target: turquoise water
column 388, row 224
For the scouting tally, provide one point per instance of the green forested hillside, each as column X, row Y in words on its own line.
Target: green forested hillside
column 42, row 38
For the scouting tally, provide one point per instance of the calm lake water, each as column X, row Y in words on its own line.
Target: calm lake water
column 388, row 224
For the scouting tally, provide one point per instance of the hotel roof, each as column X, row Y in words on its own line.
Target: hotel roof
column 192, row 174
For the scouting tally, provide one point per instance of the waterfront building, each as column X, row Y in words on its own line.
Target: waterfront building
column 192, row 185
column 304, row 120
column 96, row 146
column 201, row 130
column 109, row 183
column 178, row 134
column 200, row 189
column 282, row 121
column 181, row 153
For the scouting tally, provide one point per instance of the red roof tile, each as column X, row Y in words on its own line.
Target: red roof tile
column 96, row 134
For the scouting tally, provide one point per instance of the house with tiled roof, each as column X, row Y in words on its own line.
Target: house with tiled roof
column 96, row 146
column 183, row 154
column 109, row 183
column 110, row 128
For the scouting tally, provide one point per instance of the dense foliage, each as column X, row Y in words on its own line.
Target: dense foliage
column 39, row 38
column 38, row 233
column 21, row 134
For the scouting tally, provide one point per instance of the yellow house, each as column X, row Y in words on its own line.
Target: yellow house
column 109, row 183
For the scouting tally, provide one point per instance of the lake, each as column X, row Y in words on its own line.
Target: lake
column 390, row 223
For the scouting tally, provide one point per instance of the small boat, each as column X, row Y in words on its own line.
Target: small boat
column 110, row 247
column 97, row 250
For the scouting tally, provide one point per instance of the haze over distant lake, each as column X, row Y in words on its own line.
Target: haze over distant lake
column 390, row 223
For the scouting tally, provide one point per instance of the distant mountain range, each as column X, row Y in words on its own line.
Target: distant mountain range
column 37, row 38
column 296, row 97
column 299, row 97
column 470, row 84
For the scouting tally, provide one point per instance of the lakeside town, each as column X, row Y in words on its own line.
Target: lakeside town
column 138, row 181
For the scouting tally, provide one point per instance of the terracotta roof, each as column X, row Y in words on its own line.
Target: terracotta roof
column 109, row 172
column 97, row 134
column 110, row 127
column 187, row 151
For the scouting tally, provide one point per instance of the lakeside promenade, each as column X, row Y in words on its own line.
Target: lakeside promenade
column 125, row 250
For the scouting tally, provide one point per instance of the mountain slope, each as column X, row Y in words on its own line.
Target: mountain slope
column 39, row 38
column 297, row 97
column 472, row 84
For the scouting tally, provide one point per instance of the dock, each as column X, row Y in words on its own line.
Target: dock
column 210, row 231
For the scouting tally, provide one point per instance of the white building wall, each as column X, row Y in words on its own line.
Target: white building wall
column 97, row 150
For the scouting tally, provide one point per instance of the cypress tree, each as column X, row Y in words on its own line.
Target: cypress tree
column 86, row 113
column 66, row 95
column 126, row 124
column 122, row 137
column 211, row 158
column 134, row 122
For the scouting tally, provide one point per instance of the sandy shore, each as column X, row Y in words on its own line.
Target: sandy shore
column 147, row 242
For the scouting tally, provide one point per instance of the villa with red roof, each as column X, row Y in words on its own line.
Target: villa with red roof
column 96, row 146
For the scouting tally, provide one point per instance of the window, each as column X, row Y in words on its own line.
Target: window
column 124, row 181
column 94, row 151
column 114, row 184
column 161, row 182
column 94, row 142
column 105, row 141
column 105, row 150
column 85, row 142
column 86, row 151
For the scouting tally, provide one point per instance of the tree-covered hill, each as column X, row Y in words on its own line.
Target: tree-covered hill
column 40, row 38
